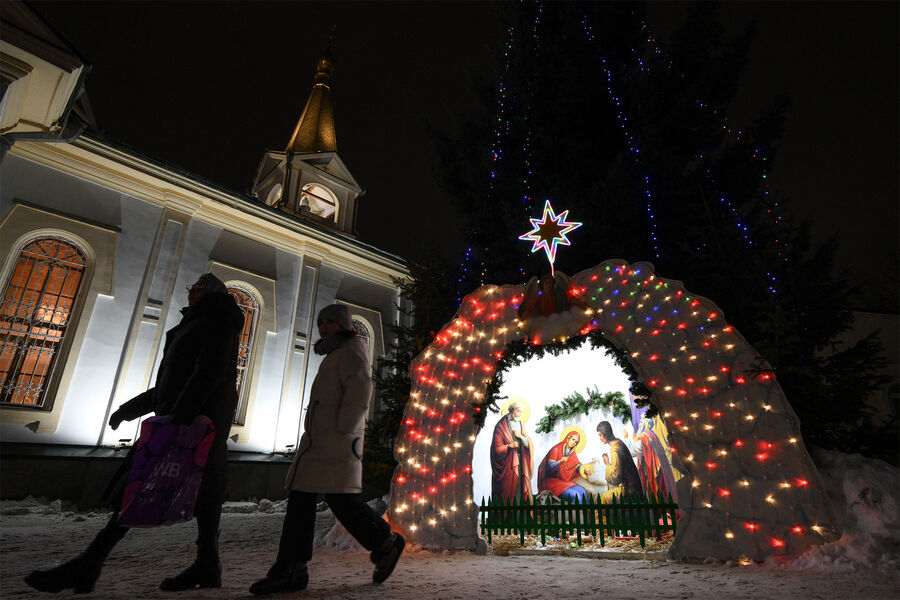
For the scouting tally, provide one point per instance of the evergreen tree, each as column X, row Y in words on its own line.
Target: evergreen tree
column 594, row 114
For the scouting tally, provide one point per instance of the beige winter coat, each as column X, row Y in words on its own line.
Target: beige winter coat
column 329, row 456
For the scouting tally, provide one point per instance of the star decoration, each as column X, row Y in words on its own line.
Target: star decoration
column 549, row 232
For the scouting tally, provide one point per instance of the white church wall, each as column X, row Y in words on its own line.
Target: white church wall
column 24, row 180
column 270, row 385
column 287, row 432
column 138, row 356
column 152, row 236
column 74, row 207
column 96, row 367
column 328, row 281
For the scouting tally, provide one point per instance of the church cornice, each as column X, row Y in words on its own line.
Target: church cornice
column 118, row 168
column 306, row 157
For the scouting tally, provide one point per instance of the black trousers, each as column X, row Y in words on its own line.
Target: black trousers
column 296, row 545
column 208, row 516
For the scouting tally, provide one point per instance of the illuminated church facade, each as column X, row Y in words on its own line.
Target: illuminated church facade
column 97, row 244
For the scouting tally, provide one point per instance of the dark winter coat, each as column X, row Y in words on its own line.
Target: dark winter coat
column 329, row 456
column 197, row 376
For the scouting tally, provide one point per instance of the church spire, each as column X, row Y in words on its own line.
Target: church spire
column 315, row 129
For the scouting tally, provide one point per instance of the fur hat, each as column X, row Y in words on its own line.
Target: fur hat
column 337, row 313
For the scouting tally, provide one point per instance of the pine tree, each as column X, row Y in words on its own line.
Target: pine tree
column 594, row 114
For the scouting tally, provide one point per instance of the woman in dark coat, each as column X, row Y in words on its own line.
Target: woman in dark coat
column 329, row 461
column 196, row 377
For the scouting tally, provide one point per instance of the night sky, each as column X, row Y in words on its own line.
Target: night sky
column 208, row 87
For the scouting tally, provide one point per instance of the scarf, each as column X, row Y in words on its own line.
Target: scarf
column 324, row 346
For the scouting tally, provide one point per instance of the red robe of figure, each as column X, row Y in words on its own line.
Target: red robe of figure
column 557, row 469
column 511, row 467
column 654, row 468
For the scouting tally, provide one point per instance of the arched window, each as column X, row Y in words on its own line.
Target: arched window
column 362, row 331
column 249, row 305
column 319, row 200
column 274, row 196
column 35, row 313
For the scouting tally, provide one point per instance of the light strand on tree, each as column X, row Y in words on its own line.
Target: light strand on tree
column 501, row 129
column 529, row 119
column 630, row 143
column 722, row 120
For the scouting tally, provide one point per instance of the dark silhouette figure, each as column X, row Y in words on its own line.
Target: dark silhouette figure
column 196, row 376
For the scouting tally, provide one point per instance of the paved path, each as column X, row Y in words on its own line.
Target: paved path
column 248, row 546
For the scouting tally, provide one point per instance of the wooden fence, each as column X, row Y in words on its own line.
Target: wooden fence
column 643, row 516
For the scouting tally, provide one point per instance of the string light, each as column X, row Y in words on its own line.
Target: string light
column 441, row 420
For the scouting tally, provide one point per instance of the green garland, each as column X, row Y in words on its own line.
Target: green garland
column 575, row 404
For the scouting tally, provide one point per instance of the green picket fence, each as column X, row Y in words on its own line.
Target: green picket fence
column 644, row 516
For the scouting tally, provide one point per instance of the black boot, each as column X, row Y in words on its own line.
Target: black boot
column 81, row 573
column 386, row 557
column 282, row 577
column 206, row 572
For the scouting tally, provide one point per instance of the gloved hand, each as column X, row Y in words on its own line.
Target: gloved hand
column 116, row 419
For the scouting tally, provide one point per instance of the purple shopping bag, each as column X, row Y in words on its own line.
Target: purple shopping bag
column 166, row 472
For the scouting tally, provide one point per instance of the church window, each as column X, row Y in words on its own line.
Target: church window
column 274, row 196
column 249, row 305
column 361, row 330
column 35, row 313
column 319, row 200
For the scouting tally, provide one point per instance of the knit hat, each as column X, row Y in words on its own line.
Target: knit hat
column 337, row 313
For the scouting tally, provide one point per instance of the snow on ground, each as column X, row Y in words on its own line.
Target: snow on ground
column 865, row 563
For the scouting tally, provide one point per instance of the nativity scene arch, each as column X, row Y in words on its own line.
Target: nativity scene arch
column 750, row 490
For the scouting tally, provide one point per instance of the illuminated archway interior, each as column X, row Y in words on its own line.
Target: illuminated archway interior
column 753, row 490
column 543, row 382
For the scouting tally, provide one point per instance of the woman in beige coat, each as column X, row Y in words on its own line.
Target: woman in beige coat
column 329, row 461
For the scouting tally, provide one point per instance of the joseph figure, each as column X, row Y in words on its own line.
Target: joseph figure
column 512, row 457
column 621, row 473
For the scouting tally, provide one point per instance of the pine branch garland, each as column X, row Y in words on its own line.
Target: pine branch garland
column 576, row 404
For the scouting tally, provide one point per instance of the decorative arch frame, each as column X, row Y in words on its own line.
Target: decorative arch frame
column 370, row 335
column 320, row 194
column 752, row 490
column 250, row 347
column 274, row 195
column 66, row 318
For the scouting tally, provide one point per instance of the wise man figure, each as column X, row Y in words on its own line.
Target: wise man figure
column 653, row 464
column 621, row 472
column 512, row 457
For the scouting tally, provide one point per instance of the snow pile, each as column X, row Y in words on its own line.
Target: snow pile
column 329, row 533
column 37, row 506
column 865, row 495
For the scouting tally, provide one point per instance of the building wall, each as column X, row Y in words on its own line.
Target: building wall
column 149, row 233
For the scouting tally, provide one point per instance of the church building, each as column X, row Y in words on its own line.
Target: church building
column 97, row 244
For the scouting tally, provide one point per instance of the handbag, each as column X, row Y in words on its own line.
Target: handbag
column 166, row 471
